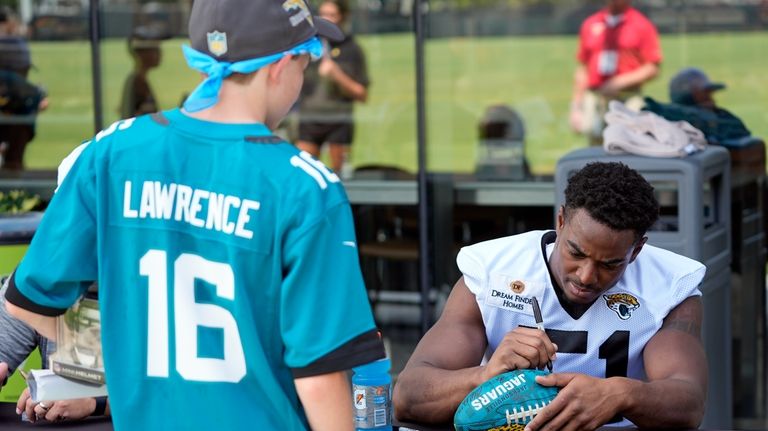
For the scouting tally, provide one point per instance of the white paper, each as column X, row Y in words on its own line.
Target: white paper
column 45, row 385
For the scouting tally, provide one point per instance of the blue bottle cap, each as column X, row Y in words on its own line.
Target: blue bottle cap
column 380, row 366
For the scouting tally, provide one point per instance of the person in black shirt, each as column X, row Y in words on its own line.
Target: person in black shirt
column 330, row 89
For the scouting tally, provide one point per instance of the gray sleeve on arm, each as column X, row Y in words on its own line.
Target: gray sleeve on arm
column 17, row 339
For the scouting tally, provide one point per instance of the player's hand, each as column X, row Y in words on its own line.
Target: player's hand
column 43, row 105
column 55, row 411
column 520, row 348
column 583, row 403
column 3, row 374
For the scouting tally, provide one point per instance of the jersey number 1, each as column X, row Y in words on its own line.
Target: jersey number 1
column 188, row 316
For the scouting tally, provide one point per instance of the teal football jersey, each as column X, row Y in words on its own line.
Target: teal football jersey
column 227, row 266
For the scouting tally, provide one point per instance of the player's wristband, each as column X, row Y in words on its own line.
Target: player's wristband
column 101, row 406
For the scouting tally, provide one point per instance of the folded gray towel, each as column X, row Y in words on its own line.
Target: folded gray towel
column 647, row 134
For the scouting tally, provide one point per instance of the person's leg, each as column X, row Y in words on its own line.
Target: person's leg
column 311, row 136
column 16, row 138
column 310, row 147
column 338, row 154
column 339, row 141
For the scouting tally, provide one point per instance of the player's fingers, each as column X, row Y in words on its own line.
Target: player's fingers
column 570, row 423
column 547, row 380
column 556, row 379
column 534, row 357
column 560, row 418
column 544, row 416
column 533, row 346
column 542, row 341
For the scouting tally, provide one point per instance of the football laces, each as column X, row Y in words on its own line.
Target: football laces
column 524, row 414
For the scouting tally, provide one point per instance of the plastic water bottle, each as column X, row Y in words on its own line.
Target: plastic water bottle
column 372, row 396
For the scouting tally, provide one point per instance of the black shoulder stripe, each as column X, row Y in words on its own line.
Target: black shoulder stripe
column 272, row 139
column 160, row 119
column 18, row 299
column 364, row 348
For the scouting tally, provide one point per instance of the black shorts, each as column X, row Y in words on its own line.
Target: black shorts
column 320, row 133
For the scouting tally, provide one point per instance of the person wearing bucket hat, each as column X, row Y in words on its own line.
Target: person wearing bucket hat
column 211, row 240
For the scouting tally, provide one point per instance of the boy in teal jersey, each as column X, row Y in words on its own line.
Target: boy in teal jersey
column 230, row 290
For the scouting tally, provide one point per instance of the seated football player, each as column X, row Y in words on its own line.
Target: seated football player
column 622, row 319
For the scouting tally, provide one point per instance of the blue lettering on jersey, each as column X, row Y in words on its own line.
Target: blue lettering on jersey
column 182, row 203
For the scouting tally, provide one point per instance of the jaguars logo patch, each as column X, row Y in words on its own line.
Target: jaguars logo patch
column 622, row 303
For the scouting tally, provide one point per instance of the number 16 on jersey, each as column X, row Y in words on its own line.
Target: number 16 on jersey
column 188, row 316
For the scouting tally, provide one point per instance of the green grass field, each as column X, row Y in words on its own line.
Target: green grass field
column 464, row 76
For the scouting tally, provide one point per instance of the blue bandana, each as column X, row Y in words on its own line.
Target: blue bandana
column 207, row 93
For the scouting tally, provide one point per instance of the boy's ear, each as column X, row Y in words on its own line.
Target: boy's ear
column 276, row 69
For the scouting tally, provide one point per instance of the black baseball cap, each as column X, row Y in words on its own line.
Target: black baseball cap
column 236, row 30
column 687, row 81
column 14, row 54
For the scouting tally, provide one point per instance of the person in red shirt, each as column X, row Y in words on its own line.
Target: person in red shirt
column 618, row 52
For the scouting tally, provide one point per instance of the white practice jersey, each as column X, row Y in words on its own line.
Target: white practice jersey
column 608, row 339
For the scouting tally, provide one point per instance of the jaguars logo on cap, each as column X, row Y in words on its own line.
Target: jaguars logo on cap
column 304, row 13
column 217, row 43
column 622, row 303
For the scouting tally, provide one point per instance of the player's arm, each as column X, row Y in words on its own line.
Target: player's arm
column 672, row 397
column 676, row 366
column 445, row 366
column 327, row 401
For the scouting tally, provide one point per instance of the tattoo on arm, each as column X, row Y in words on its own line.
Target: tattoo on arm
column 688, row 326
column 686, row 317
